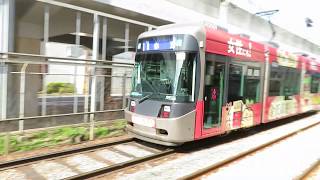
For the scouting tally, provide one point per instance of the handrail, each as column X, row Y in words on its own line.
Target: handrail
column 57, row 115
column 61, row 74
column 62, row 58
column 6, row 57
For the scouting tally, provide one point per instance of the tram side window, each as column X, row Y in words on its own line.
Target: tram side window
column 276, row 76
column 291, row 83
column 284, row 81
column 244, row 85
column 315, row 83
column 235, row 90
column 252, row 86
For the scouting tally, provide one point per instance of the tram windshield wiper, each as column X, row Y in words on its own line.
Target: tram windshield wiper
column 149, row 95
column 144, row 98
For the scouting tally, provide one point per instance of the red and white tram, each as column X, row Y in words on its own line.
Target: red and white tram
column 196, row 81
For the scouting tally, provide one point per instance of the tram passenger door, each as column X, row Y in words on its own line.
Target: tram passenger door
column 213, row 94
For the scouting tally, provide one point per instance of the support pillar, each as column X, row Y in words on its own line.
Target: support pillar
column 6, row 45
column 95, row 55
column 223, row 13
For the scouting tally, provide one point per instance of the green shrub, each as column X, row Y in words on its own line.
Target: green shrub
column 101, row 131
column 60, row 87
column 54, row 87
column 68, row 88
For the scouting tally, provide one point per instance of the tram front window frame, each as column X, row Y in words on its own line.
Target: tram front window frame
column 165, row 75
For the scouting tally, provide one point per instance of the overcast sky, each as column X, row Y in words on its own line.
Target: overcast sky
column 291, row 15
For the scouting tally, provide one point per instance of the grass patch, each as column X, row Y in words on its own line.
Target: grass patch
column 41, row 134
column 101, row 132
column 70, row 131
column 58, row 136
column 120, row 124
column 1, row 144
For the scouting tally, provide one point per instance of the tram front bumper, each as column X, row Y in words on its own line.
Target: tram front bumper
column 177, row 130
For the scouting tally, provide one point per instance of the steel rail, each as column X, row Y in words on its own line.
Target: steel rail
column 307, row 172
column 239, row 156
column 52, row 155
column 120, row 166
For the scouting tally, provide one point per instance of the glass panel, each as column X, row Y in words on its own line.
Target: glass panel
column 291, row 82
column 29, row 23
column 13, row 93
column 275, row 82
column 252, row 86
column 135, row 31
column 214, row 87
column 164, row 75
column 58, row 89
column 284, row 81
column 86, row 34
column 67, row 86
column 112, row 47
column 236, row 77
column 33, row 86
column 103, row 31
column 62, row 33
column 315, row 83
column 116, row 39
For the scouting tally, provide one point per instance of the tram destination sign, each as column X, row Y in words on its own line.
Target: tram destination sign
column 167, row 43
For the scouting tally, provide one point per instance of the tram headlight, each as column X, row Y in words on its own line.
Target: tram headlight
column 132, row 106
column 166, row 111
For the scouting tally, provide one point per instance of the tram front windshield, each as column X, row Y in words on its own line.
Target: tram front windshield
column 166, row 76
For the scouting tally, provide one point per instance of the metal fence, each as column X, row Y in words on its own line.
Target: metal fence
column 98, row 91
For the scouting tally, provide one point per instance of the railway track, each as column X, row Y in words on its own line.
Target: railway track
column 214, row 167
column 53, row 155
column 27, row 165
column 96, row 160
column 120, row 166
column 311, row 171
